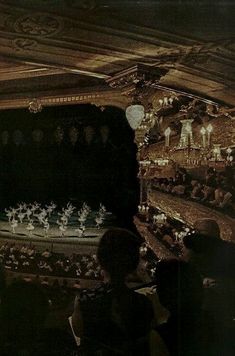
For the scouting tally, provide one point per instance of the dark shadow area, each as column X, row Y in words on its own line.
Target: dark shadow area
column 78, row 153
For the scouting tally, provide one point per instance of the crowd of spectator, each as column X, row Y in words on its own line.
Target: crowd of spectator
column 169, row 232
column 216, row 190
column 188, row 308
column 27, row 259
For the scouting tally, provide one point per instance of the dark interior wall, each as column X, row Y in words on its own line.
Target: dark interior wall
column 72, row 152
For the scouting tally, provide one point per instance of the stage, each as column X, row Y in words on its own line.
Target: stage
column 71, row 233
column 53, row 239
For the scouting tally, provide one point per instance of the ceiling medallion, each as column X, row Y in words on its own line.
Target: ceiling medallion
column 35, row 106
column 38, row 24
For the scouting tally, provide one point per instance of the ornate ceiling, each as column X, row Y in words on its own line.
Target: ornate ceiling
column 69, row 51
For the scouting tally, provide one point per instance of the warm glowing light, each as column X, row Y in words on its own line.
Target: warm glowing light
column 209, row 128
column 203, row 131
column 167, row 131
column 167, row 137
column 135, row 114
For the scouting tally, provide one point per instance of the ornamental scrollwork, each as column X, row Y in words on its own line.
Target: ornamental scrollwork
column 24, row 44
column 38, row 24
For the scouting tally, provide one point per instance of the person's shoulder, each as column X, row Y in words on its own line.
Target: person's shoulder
column 90, row 294
column 141, row 301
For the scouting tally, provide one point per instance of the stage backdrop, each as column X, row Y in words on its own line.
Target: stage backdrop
column 77, row 153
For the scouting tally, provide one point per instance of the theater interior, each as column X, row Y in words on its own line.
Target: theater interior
column 118, row 114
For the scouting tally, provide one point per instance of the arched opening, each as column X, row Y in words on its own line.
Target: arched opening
column 79, row 153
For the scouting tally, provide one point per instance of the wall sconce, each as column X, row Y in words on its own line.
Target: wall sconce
column 167, row 136
column 203, row 133
column 209, row 129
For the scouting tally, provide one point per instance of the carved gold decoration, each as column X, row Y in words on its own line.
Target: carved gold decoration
column 24, row 44
column 35, row 106
column 38, row 25
column 136, row 74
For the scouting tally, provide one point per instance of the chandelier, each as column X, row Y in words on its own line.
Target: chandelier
column 135, row 114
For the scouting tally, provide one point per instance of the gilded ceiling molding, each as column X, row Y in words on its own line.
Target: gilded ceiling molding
column 147, row 75
column 105, row 98
column 70, row 41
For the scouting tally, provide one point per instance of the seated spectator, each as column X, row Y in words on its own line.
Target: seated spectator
column 168, row 239
column 179, row 288
column 46, row 254
column 218, row 197
column 227, row 198
column 57, row 264
column 208, row 193
column 27, row 279
column 213, row 257
column 210, row 179
column 208, row 227
column 178, row 189
column 76, row 285
column 112, row 317
column 45, row 282
column 196, row 193
column 23, row 249
column 12, row 248
column 215, row 260
column 169, row 186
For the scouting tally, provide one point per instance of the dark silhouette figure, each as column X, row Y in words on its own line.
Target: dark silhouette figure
column 179, row 289
column 113, row 319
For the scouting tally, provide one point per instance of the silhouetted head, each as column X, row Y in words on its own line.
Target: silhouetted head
column 212, row 257
column 200, row 243
column 118, row 254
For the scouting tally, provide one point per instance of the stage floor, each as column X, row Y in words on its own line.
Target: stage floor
column 91, row 235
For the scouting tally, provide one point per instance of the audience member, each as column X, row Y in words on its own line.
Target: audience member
column 208, row 227
column 213, row 257
column 112, row 317
column 216, row 190
column 215, row 260
column 179, row 288
column 27, row 259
